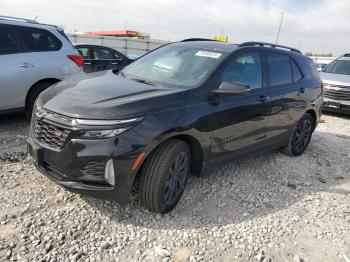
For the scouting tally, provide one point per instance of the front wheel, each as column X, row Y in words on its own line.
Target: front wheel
column 164, row 176
column 300, row 137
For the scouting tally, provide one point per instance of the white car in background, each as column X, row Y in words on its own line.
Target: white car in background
column 336, row 79
column 33, row 56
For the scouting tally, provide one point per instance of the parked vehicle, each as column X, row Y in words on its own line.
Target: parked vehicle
column 336, row 78
column 133, row 56
column 179, row 110
column 99, row 58
column 33, row 56
column 320, row 66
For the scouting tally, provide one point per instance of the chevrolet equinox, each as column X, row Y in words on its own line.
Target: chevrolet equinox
column 176, row 111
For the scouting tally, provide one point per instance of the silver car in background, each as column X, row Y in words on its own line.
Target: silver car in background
column 336, row 79
column 33, row 56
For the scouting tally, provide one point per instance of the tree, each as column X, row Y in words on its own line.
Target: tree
column 319, row 55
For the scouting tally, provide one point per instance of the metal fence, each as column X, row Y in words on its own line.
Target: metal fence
column 125, row 45
column 322, row 59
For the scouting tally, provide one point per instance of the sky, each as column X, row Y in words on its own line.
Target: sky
column 321, row 26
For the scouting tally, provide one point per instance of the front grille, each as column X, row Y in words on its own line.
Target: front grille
column 49, row 134
column 337, row 92
column 93, row 168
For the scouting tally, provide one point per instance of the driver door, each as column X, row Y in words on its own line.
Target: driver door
column 241, row 121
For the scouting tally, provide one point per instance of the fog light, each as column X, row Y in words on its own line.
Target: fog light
column 109, row 172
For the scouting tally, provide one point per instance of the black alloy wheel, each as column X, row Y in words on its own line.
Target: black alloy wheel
column 300, row 137
column 176, row 179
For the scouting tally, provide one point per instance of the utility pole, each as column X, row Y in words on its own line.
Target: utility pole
column 279, row 28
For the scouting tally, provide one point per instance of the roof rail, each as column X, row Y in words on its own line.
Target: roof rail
column 270, row 45
column 197, row 39
column 18, row 19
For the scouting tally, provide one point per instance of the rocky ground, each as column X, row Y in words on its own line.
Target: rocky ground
column 262, row 208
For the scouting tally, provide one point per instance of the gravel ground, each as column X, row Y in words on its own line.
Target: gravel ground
column 262, row 208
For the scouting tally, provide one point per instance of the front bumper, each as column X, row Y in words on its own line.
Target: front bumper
column 339, row 106
column 79, row 166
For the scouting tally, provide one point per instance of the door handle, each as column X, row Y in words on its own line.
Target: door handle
column 26, row 65
column 114, row 63
column 264, row 98
column 87, row 63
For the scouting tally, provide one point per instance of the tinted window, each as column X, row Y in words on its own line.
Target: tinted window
column 85, row 52
column 38, row 40
column 8, row 41
column 338, row 67
column 245, row 69
column 103, row 54
column 279, row 69
column 296, row 72
column 312, row 67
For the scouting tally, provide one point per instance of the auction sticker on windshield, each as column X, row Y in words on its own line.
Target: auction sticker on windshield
column 208, row 54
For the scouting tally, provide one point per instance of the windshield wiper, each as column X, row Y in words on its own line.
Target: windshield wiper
column 144, row 81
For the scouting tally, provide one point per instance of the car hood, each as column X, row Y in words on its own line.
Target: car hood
column 104, row 95
column 335, row 79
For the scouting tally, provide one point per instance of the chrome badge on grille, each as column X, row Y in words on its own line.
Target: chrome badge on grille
column 56, row 133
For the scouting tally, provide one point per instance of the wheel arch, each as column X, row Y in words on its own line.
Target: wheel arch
column 314, row 116
column 32, row 88
column 197, row 152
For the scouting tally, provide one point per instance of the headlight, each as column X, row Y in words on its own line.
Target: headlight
column 105, row 128
column 103, row 133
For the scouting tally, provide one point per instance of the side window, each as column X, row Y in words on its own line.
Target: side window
column 38, row 40
column 296, row 72
column 117, row 55
column 85, row 52
column 8, row 41
column 245, row 69
column 280, row 71
column 312, row 67
column 101, row 53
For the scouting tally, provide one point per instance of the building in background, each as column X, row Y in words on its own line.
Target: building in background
column 120, row 33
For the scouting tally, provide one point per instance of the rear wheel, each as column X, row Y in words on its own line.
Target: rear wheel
column 32, row 96
column 164, row 176
column 300, row 137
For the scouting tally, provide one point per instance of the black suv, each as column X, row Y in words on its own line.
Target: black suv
column 177, row 110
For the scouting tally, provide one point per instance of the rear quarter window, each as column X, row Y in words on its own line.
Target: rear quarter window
column 311, row 67
column 37, row 39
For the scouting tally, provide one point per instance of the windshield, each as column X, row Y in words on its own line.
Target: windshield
column 338, row 67
column 175, row 66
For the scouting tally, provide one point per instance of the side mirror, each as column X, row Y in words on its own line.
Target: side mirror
column 227, row 88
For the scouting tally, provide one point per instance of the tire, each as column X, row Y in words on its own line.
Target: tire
column 164, row 176
column 300, row 136
column 32, row 96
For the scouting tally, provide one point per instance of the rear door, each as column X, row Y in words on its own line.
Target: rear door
column 15, row 71
column 287, row 87
column 105, row 59
column 86, row 52
column 241, row 122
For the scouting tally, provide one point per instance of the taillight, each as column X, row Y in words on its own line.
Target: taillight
column 77, row 59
